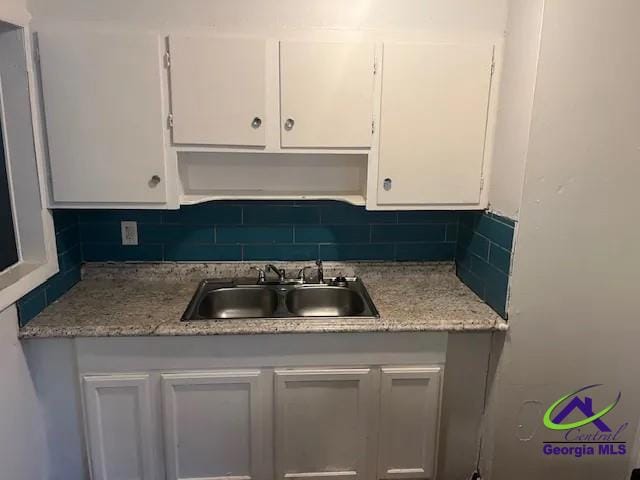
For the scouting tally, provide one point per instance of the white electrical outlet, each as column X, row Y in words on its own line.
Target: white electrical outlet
column 129, row 233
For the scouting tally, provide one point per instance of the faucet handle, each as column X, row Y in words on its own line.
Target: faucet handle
column 301, row 274
column 262, row 276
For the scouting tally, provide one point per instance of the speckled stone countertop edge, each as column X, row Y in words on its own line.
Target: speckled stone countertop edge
column 82, row 332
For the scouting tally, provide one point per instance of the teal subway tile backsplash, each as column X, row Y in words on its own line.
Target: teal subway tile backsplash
column 69, row 261
column 110, row 252
column 483, row 256
column 152, row 233
column 432, row 251
column 333, row 234
column 282, row 230
column 280, row 252
column 336, row 213
column 219, row 213
column 280, row 215
column 358, row 251
column 270, row 230
column 190, row 252
column 409, row 233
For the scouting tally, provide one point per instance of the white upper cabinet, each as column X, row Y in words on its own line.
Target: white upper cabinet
column 218, row 90
column 103, row 109
column 433, row 123
column 326, row 94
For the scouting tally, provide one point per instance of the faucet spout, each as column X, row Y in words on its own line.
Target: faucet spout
column 278, row 271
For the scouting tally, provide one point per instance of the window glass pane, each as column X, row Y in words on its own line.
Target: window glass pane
column 8, row 248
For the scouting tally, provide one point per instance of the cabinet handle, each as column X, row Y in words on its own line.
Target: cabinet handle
column 154, row 181
column 257, row 121
column 289, row 123
column 386, row 184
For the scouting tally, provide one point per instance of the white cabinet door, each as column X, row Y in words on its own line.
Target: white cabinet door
column 409, row 412
column 119, row 427
column 326, row 94
column 322, row 421
column 217, row 90
column 432, row 123
column 103, row 110
column 212, row 425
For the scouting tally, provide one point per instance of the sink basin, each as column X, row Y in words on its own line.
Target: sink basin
column 321, row 301
column 238, row 302
column 219, row 300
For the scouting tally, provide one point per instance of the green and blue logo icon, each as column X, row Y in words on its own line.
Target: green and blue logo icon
column 585, row 406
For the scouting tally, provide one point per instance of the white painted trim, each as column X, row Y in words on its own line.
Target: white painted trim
column 24, row 277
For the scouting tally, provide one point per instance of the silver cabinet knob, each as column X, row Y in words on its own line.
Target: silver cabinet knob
column 154, row 181
column 289, row 123
column 257, row 121
column 386, row 184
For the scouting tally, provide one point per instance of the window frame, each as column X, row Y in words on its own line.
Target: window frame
column 33, row 267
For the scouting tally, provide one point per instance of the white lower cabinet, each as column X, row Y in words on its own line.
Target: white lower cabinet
column 212, row 425
column 322, row 421
column 351, row 423
column 119, row 427
column 409, row 413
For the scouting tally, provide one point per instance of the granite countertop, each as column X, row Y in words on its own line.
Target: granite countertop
column 130, row 299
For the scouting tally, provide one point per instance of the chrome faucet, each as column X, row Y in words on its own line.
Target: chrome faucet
column 282, row 277
column 320, row 271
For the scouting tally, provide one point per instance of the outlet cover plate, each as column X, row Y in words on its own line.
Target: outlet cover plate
column 129, row 233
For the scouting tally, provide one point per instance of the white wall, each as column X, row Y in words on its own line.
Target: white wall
column 515, row 102
column 52, row 364
column 23, row 447
column 40, row 431
column 14, row 11
column 574, row 311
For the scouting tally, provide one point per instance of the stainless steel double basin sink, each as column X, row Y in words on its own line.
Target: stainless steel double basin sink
column 216, row 300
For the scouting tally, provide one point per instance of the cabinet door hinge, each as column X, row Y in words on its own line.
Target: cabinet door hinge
column 373, row 126
column 170, row 120
column 167, row 59
column 481, row 183
column 375, row 68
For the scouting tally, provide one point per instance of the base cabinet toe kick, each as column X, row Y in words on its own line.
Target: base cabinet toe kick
column 310, row 418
